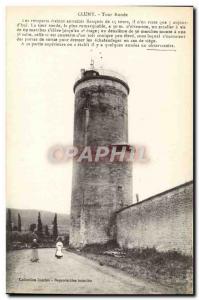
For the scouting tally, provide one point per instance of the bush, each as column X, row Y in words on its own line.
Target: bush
column 66, row 240
column 20, row 240
column 100, row 248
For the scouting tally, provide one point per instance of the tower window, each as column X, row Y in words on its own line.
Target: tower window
column 119, row 188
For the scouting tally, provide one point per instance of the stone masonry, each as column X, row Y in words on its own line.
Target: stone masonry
column 164, row 221
column 99, row 189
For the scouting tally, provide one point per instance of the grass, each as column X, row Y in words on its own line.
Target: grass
column 170, row 268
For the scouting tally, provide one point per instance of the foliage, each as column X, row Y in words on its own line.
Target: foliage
column 66, row 240
column 55, row 230
column 33, row 226
column 100, row 248
column 9, row 221
column 14, row 228
column 19, row 223
column 46, row 230
column 169, row 267
column 39, row 226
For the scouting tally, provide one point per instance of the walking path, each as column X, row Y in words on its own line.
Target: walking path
column 73, row 274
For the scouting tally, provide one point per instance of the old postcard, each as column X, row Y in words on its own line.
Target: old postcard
column 99, row 150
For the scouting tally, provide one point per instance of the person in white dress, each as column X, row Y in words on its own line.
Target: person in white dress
column 59, row 247
column 35, row 246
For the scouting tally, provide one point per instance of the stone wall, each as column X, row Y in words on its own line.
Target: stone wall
column 164, row 221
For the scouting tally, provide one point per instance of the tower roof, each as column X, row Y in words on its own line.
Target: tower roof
column 101, row 74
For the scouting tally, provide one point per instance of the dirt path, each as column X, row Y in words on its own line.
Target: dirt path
column 71, row 275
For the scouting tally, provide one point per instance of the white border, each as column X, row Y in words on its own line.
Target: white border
column 3, row 4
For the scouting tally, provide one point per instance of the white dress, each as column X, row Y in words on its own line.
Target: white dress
column 59, row 247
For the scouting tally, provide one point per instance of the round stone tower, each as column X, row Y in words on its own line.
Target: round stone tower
column 99, row 189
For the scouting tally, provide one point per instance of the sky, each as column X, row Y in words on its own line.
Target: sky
column 40, row 109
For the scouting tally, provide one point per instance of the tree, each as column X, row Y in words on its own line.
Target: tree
column 19, row 222
column 46, row 230
column 39, row 226
column 55, row 231
column 9, row 220
column 14, row 228
column 33, row 226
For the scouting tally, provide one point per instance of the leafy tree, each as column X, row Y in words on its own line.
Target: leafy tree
column 46, row 230
column 55, row 230
column 39, row 225
column 14, row 228
column 9, row 220
column 33, row 226
column 19, row 222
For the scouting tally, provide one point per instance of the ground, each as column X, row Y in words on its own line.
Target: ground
column 73, row 274
column 170, row 268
